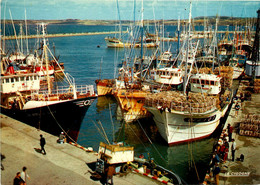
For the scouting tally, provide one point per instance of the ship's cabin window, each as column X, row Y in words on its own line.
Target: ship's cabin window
column 17, row 79
column 212, row 82
column 7, row 80
column 167, row 73
column 207, row 82
column 12, row 79
column 202, row 82
column 27, row 78
column 22, row 78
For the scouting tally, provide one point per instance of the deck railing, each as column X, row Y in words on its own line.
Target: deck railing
column 64, row 92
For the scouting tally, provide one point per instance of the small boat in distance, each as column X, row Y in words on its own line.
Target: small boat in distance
column 113, row 42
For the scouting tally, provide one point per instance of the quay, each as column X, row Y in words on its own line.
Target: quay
column 63, row 163
column 248, row 170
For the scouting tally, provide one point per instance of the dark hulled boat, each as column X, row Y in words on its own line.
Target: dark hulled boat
column 54, row 118
column 48, row 107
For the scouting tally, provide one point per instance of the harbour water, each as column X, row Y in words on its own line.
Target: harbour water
column 86, row 62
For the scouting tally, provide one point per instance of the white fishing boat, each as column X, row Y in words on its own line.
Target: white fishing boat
column 205, row 83
column 168, row 76
column 174, row 75
column 184, row 117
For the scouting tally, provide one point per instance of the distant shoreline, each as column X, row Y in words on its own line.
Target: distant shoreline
column 223, row 20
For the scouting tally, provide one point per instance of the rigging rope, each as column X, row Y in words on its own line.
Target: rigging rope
column 60, row 125
column 151, row 141
column 113, row 129
column 101, row 133
column 138, row 138
column 190, row 146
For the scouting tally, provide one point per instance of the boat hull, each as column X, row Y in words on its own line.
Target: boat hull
column 237, row 72
column 179, row 127
column 104, row 87
column 117, row 43
column 132, row 104
column 54, row 118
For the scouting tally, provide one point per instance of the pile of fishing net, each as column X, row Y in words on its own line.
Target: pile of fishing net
column 226, row 72
column 175, row 100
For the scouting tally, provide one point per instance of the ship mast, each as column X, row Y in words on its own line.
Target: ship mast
column 142, row 35
column 120, row 24
column 255, row 51
column 46, row 58
column 187, row 54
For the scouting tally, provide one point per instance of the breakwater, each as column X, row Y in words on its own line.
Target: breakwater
column 58, row 35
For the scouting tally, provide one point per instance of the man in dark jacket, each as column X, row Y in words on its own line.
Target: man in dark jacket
column 18, row 180
column 42, row 143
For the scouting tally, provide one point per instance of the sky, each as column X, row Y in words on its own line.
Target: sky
column 107, row 9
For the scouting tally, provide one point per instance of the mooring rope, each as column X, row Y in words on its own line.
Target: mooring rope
column 60, row 125
column 151, row 141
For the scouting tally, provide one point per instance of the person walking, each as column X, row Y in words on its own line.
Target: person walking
column 24, row 175
column 237, row 107
column 18, row 180
column 233, row 149
column 230, row 131
column 110, row 172
column 42, row 143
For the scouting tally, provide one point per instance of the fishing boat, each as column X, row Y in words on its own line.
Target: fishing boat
column 225, row 48
column 189, row 116
column 184, row 116
column 113, row 42
column 53, row 108
column 131, row 102
column 104, row 86
column 122, row 159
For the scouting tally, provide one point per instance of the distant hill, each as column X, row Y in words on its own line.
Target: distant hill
column 223, row 20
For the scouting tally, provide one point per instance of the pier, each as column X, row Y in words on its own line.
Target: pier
column 63, row 163
column 247, row 171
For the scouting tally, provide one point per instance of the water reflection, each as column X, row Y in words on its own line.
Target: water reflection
column 144, row 136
